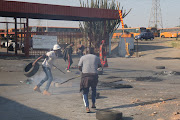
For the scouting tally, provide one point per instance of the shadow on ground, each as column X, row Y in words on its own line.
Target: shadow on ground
column 9, row 84
column 145, row 79
column 140, row 103
column 166, row 58
column 127, row 118
column 11, row 110
column 149, row 47
column 114, row 70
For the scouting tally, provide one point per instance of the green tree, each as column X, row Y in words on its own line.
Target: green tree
column 125, row 26
column 94, row 30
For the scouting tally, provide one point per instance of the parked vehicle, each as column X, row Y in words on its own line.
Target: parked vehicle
column 170, row 32
column 11, row 42
column 145, row 35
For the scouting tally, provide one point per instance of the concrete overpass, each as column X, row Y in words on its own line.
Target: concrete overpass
column 51, row 12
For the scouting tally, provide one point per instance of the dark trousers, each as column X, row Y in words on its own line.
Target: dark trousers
column 88, row 80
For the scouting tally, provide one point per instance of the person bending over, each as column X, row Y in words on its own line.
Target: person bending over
column 47, row 64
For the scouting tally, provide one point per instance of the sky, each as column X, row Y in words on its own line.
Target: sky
column 138, row 17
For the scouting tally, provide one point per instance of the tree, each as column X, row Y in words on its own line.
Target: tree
column 125, row 26
column 94, row 30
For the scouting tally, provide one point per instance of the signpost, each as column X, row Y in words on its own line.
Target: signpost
column 44, row 42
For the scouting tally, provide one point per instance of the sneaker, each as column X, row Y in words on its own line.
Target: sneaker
column 37, row 89
column 68, row 71
column 93, row 106
column 46, row 93
column 87, row 110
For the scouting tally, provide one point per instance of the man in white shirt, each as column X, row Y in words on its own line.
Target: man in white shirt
column 88, row 65
column 47, row 64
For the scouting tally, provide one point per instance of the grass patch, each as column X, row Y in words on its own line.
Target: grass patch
column 174, row 43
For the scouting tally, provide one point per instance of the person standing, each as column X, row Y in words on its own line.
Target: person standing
column 81, row 49
column 67, row 55
column 47, row 64
column 88, row 65
column 102, row 54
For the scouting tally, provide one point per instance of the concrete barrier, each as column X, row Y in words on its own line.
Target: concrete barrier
column 122, row 46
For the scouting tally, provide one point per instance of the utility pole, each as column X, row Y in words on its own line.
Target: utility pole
column 155, row 16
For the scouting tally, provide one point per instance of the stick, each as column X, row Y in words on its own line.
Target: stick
column 59, row 69
column 70, row 79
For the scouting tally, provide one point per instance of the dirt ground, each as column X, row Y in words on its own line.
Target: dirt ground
column 133, row 86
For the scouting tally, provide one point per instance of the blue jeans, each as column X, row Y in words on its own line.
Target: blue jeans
column 85, row 96
column 48, row 78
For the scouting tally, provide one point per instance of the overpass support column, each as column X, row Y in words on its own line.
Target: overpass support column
column 26, row 46
column 15, row 19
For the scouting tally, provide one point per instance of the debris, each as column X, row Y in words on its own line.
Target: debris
column 21, row 81
column 149, row 79
column 135, row 101
column 29, row 81
column 161, row 99
column 168, row 73
column 154, row 113
column 176, row 113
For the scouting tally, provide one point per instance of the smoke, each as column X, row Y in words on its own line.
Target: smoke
column 57, row 80
column 34, row 80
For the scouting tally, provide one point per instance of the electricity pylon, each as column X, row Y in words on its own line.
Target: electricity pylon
column 155, row 17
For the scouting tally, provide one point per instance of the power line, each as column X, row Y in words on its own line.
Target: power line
column 155, row 17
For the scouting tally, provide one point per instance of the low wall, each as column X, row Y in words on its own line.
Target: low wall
column 122, row 47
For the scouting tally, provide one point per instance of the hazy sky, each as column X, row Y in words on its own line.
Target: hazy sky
column 138, row 17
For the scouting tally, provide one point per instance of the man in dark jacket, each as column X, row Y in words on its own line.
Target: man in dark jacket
column 67, row 55
column 89, row 64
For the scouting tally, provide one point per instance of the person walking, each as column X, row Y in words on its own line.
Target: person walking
column 47, row 64
column 102, row 54
column 67, row 55
column 88, row 65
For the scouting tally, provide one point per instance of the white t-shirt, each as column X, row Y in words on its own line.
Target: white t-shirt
column 49, row 60
column 89, row 63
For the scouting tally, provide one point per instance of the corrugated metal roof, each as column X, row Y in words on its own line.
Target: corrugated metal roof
column 54, row 12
